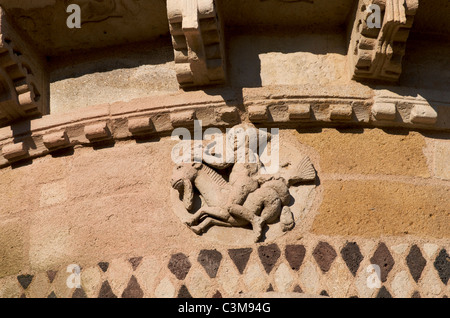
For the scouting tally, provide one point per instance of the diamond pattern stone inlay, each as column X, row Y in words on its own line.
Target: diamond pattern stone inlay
column 51, row 275
column 442, row 265
column 352, row 256
column 383, row 293
column 295, row 254
column 210, row 260
column 240, row 257
column 79, row 293
column 106, row 291
column 103, row 266
column 269, row 255
column 184, row 292
column 133, row 289
column 135, row 262
column 416, row 262
column 324, row 254
column 179, row 265
column 383, row 258
column 25, row 280
column 238, row 273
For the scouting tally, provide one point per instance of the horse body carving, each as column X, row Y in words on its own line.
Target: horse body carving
column 247, row 199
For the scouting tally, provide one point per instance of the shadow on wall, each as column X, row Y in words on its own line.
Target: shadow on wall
column 259, row 58
column 111, row 58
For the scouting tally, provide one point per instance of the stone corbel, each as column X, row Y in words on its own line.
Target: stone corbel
column 24, row 84
column 197, row 38
column 377, row 53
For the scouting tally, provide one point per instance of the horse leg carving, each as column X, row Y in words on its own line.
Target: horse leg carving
column 207, row 223
column 216, row 212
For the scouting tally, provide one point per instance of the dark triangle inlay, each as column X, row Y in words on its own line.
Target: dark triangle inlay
column 240, row 257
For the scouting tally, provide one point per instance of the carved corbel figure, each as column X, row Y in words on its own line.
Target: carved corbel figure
column 197, row 38
column 377, row 53
column 24, row 84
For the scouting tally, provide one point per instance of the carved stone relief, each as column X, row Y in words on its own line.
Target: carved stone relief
column 377, row 53
column 24, row 85
column 239, row 202
column 198, row 42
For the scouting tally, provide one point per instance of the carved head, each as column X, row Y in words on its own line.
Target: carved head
column 183, row 176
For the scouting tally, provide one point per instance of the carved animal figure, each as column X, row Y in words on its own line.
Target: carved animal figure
column 267, row 203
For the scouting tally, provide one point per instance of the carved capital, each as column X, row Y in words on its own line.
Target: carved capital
column 198, row 42
column 24, row 84
column 377, row 53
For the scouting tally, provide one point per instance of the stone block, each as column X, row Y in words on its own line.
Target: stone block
column 97, row 131
column 299, row 111
column 384, row 111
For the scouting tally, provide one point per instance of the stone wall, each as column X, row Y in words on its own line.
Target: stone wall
column 87, row 178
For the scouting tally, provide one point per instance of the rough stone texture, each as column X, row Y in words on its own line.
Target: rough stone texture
column 135, row 262
column 372, row 152
column 91, row 185
column 368, row 208
column 269, row 256
column 295, row 255
column 383, row 258
column 106, row 291
column 78, row 293
column 255, row 279
column 352, row 256
column 384, row 293
column 12, row 248
column 210, row 260
column 184, row 292
column 104, row 266
column 133, row 290
column 416, row 262
column 283, row 278
column 442, row 265
column 179, row 265
column 324, row 254
column 309, row 278
column 442, row 160
column 401, row 285
column 240, row 257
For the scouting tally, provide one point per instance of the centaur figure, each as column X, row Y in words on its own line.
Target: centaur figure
column 248, row 198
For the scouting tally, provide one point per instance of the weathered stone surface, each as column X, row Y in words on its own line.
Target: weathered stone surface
column 442, row 159
column 240, row 257
column 416, row 263
column 179, row 265
column 133, row 290
column 25, row 92
column 352, row 256
column 56, row 140
column 106, row 291
column 12, row 248
column 377, row 52
column 104, row 266
column 372, row 152
column 198, row 41
column 295, row 255
column 210, row 260
column 184, row 292
column 442, row 265
column 383, row 258
column 369, row 209
column 384, row 111
column 324, row 254
column 135, row 262
column 79, row 293
column 269, row 255
column 384, row 293
column 401, row 285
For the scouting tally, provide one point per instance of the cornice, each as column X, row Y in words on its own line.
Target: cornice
column 281, row 107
